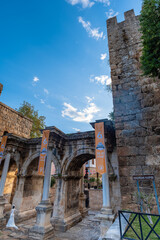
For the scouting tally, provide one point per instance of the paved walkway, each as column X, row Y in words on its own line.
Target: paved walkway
column 88, row 229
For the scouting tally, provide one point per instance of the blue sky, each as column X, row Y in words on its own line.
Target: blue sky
column 54, row 54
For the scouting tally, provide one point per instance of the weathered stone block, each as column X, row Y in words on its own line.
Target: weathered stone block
column 136, row 104
column 14, row 122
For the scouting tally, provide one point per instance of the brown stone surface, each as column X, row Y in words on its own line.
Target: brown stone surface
column 95, row 199
column 13, row 122
column 72, row 151
column 88, row 229
column 52, row 194
column 136, row 106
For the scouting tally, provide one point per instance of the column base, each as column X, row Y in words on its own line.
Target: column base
column 43, row 229
column 2, row 218
column 84, row 212
column 82, row 202
column 62, row 225
column 3, row 223
column 106, row 210
column 106, row 214
column 41, row 233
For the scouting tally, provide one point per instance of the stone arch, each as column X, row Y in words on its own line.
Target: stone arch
column 67, row 208
column 30, row 183
column 33, row 186
column 56, row 164
column 28, row 161
column 32, row 157
column 77, row 159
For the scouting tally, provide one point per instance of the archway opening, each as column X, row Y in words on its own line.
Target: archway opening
column 33, row 187
column 92, row 185
column 84, row 186
column 52, row 192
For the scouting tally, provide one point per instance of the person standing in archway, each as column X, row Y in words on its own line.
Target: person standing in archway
column 11, row 223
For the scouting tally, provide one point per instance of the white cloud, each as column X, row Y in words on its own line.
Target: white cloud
column 46, row 91
column 35, row 95
column 50, row 107
column 89, row 99
column 85, row 3
column 105, row 2
column 76, row 129
column 85, row 115
column 111, row 13
column 103, row 56
column 88, row 3
column 42, row 101
column 93, row 32
column 102, row 79
column 35, row 79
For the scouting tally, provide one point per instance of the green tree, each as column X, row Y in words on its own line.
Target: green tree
column 27, row 110
column 150, row 29
column 111, row 116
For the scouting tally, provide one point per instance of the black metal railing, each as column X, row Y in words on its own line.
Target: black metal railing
column 138, row 226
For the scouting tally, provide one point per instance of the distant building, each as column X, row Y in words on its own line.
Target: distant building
column 90, row 167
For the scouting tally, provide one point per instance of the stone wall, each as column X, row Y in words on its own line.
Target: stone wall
column 13, row 122
column 32, row 192
column 52, row 194
column 95, row 199
column 11, row 180
column 136, row 100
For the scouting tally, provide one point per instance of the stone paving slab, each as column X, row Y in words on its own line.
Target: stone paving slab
column 113, row 232
column 88, row 229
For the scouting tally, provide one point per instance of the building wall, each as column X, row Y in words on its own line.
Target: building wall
column 14, row 122
column 95, row 199
column 136, row 100
column 91, row 163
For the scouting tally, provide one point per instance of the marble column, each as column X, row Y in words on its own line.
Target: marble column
column 2, row 184
column 106, row 194
column 82, row 197
column 4, row 173
column 106, row 191
column 106, row 210
column 43, row 229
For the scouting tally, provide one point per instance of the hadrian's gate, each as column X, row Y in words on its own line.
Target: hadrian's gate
column 68, row 152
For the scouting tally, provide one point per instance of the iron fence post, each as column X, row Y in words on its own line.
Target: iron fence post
column 140, row 226
column 154, row 185
column 120, row 227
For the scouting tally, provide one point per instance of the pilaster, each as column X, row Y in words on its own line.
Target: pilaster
column 43, row 229
column 2, row 205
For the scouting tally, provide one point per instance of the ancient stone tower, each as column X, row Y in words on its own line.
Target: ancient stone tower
column 137, row 109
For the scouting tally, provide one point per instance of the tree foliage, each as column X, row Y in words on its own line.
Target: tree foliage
column 150, row 29
column 111, row 116
column 27, row 110
column 53, row 181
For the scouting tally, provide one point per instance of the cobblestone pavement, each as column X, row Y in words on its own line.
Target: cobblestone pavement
column 88, row 229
